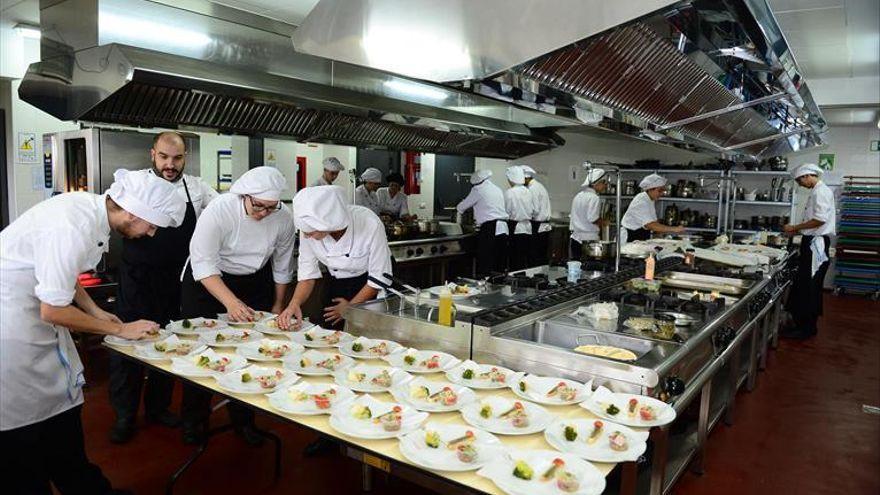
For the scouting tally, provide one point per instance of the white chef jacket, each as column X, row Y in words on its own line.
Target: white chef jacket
column 363, row 248
column 641, row 212
column 321, row 182
column 227, row 240
column 585, row 210
column 820, row 206
column 487, row 200
column 41, row 255
column 396, row 206
column 367, row 199
column 200, row 193
column 520, row 208
column 542, row 207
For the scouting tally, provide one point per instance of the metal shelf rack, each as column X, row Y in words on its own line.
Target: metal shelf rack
column 857, row 260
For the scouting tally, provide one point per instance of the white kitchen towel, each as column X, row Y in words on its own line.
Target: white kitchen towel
column 817, row 246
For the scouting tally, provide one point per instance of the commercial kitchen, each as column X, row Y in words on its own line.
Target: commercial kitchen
column 440, row 247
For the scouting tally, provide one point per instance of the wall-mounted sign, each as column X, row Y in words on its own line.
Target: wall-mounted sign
column 826, row 161
column 271, row 158
column 26, row 148
column 875, row 145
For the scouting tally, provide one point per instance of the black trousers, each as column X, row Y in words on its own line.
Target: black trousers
column 257, row 291
column 575, row 250
column 805, row 299
column 491, row 250
column 51, row 452
column 519, row 251
column 126, row 384
column 540, row 245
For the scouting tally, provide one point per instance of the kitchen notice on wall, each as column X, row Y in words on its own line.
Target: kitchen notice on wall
column 26, row 148
column 271, row 158
column 826, row 161
column 875, row 145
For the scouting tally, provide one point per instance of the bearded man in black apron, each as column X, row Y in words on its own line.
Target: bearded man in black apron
column 149, row 289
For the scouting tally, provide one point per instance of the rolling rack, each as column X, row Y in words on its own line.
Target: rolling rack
column 857, row 267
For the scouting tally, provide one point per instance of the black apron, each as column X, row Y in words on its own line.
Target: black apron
column 345, row 288
column 805, row 299
column 640, row 234
column 149, row 275
column 490, row 248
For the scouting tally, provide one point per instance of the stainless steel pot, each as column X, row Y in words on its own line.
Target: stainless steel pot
column 429, row 226
column 598, row 249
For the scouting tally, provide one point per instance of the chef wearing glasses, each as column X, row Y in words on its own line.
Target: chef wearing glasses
column 241, row 257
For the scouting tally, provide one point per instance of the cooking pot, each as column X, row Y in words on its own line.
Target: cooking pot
column 429, row 226
column 629, row 187
column 778, row 163
column 596, row 250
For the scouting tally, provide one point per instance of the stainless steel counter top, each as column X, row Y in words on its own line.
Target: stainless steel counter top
column 429, row 240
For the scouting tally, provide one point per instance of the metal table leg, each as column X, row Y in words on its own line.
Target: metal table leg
column 733, row 378
column 660, row 437
column 753, row 360
column 765, row 339
column 169, row 488
column 697, row 465
column 366, row 478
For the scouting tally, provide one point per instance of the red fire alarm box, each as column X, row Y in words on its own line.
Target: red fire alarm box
column 300, row 172
column 412, row 168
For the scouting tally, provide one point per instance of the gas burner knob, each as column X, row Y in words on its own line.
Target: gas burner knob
column 673, row 385
column 410, row 253
column 443, row 248
column 433, row 249
column 420, row 251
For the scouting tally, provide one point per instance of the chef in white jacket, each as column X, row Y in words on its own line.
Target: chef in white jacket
column 365, row 194
column 538, row 252
column 520, row 208
column 347, row 239
column 586, row 211
column 241, row 261
column 392, row 200
column 640, row 219
column 41, row 376
column 332, row 167
column 487, row 200
column 817, row 228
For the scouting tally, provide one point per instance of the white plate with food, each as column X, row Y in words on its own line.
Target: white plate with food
column 270, row 327
column 372, row 419
column 309, row 399
column 547, row 390
column 364, row 348
column 540, row 472
column 457, row 291
column 195, row 326
column 370, row 378
column 317, row 337
column 256, row 380
column 506, row 416
column 432, row 396
column 316, row 363
column 229, row 337
column 258, row 317
column 639, row 411
column 152, row 336
column 206, row 363
column 416, row 361
column 597, row 440
column 449, row 447
column 480, row 376
column 167, row 348
column 268, row 350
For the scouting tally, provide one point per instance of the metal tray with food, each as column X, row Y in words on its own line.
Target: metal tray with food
column 723, row 285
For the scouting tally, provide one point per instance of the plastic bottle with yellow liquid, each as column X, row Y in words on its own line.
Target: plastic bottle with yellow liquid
column 444, row 313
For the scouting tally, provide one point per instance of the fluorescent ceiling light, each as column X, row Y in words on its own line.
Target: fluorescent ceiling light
column 415, row 90
column 28, row 31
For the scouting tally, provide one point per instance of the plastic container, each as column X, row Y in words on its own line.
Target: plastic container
column 444, row 311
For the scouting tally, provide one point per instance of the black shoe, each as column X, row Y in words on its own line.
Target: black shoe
column 320, row 447
column 164, row 418
column 249, row 434
column 193, row 433
column 122, row 431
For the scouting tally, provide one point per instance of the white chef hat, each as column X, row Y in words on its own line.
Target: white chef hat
column 321, row 209
column 147, row 196
column 806, row 169
column 652, row 181
column 528, row 171
column 516, row 175
column 332, row 164
column 371, row 175
column 264, row 183
column 480, row 175
column 587, row 165
column 593, row 176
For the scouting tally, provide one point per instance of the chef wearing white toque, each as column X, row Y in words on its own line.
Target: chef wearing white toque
column 520, row 208
column 487, row 200
column 241, row 257
column 365, row 194
column 41, row 376
column 586, row 210
column 640, row 219
column 332, row 167
column 538, row 251
column 818, row 226
column 350, row 241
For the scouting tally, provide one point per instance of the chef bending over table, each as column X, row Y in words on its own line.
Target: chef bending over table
column 640, row 219
column 41, row 376
column 349, row 240
column 241, row 261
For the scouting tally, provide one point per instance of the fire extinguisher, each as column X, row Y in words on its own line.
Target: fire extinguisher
column 300, row 172
column 413, row 172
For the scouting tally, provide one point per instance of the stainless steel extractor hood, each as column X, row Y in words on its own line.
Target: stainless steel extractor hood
column 198, row 65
